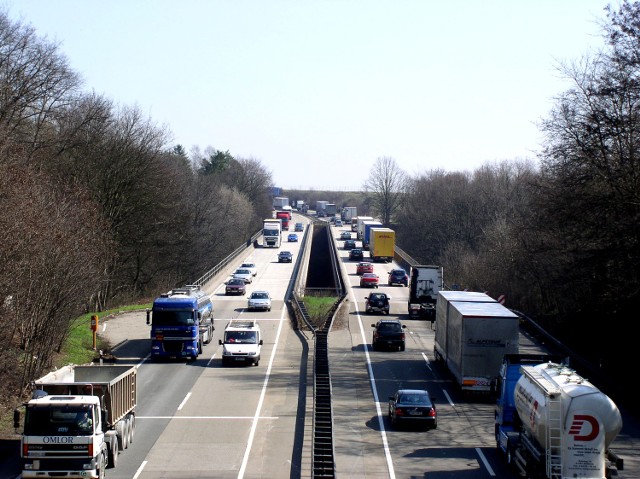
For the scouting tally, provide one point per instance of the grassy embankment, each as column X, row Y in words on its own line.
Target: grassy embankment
column 77, row 349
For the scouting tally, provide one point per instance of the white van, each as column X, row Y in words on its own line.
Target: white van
column 242, row 343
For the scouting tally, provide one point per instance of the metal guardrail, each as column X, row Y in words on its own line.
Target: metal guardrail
column 222, row 264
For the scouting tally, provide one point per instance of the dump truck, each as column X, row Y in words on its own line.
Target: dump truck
column 425, row 282
column 78, row 421
column 552, row 423
column 382, row 244
column 472, row 339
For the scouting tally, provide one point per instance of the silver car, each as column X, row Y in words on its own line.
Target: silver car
column 244, row 274
column 251, row 266
column 259, row 300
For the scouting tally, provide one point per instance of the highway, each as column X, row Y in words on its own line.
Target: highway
column 199, row 419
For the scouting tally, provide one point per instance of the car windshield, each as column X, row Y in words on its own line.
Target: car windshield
column 377, row 297
column 259, row 295
column 243, row 271
column 236, row 282
column 240, row 337
column 173, row 318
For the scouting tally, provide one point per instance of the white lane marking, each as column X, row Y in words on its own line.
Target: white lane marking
column 426, row 360
column 184, row 401
column 139, row 471
column 372, row 380
column 254, row 425
column 485, row 462
column 206, row 417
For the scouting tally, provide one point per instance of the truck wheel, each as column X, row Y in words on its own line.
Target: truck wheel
column 113, row 453
column 200, row 347
column 123, row 434
column 132, row 427
column 101, row 466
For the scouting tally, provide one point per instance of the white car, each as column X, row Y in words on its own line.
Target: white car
column 251, row 266
column 259, row 300
column 244, row 274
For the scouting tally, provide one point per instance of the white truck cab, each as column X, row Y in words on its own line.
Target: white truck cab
column 242, row 343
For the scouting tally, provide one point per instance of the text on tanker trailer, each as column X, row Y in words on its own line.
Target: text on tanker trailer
column 550, row 422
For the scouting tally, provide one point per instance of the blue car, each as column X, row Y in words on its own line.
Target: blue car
column 292, row 237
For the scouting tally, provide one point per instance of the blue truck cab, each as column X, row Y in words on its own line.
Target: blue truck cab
column 181, row 323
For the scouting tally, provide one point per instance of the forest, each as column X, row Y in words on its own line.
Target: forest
column 98, row 208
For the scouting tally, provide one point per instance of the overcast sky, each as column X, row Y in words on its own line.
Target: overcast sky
column 317, row 90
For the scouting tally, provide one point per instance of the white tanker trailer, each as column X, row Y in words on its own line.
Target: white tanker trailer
column 552, row 423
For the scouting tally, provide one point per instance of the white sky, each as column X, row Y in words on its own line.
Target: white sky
column 317, row 90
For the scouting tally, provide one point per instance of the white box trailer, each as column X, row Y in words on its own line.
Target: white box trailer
column 476, row 337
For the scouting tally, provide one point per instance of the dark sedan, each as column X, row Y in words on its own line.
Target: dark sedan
column 285, row 257
column 356, row 254
column 413, row 406
column 235, row 286
column 388, row 333
column 349, row 244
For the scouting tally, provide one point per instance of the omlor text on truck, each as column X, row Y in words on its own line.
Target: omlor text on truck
column 472, row 338
column 271, row 233
column 181, row 323
column 241, row 343
column 425, row 282
column 552, row 423
column 77, row 422
column 382, row 245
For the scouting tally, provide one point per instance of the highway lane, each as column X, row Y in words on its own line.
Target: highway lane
column 245, row 421
column 200, row 419
column 362, row 380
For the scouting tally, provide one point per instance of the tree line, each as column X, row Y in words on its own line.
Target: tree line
column 98, row 208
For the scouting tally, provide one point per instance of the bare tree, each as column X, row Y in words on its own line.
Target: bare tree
column 386, row 184
column 36, row 84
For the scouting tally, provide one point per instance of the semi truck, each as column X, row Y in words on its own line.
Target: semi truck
column 425, row 282
column 366, row 232
column 321, row 206
column 472, row 339
column 284, row 217
column 78, row 420
column 280, row 202
column 330, row 209
column 360, row 226
column 271, row 233
column 552, row 423
column 382, row 244
column 181, row 323
column 348, row 213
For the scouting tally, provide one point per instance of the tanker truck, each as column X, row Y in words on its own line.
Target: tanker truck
column 77, row 421
column 552, row 423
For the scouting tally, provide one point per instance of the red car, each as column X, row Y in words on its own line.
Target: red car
column 369, row 280
column 364, row 267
